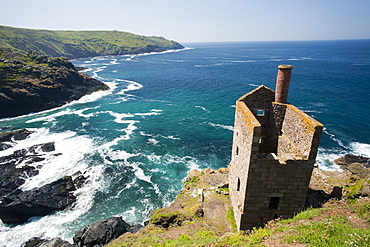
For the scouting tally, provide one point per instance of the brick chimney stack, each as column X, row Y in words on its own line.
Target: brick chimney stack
column 282, row 83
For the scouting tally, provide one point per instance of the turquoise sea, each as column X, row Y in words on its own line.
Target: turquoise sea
column 168, row 113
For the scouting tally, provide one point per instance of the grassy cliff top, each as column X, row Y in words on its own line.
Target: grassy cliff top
column 202, row 215
column 77, row 44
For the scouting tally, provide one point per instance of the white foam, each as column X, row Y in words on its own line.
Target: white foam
column 72, row 159
column 153, row 141
column 222, row 126
column 152, row 112
column 162, row 52
column 171, row 137
column 243, row 61
column 203, row 108
column 326, row 157
column 132, row 85
column 334, row 138
column 121, row 155
column 362, row 149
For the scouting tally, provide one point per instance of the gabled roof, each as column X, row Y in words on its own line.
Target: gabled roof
column 261, row 97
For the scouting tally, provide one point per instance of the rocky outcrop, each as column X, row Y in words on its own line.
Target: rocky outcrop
column 21, row 164
column 95, row 234
column 101, row 232
column 349, row 184
column 349, row 159
column 54, row 242
column 18, row 206
column 32, row 83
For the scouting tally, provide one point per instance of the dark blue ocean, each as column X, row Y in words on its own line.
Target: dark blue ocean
column 168, row 113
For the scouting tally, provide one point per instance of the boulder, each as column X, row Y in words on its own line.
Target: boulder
column 100, row 232
column 33, row 242
column 55, row 242
column 349, row 159
column 18, row 206
column 12, row 177
column 16, row 135
column 359, row 170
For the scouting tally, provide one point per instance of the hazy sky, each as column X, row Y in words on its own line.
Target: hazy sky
column 198, row 20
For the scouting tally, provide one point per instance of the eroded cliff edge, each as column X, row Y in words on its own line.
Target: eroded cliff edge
column 32, row 83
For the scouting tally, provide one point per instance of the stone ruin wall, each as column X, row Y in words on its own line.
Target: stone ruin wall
column 244, row 143
column 268, row 180
column 255, row 181
column 300, row 135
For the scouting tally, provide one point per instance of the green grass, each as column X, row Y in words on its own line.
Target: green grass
column 74, row 44
column 331, row 232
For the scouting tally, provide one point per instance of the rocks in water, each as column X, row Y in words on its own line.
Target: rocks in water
column 96, row 234
column 18, row 206
column 16, row 167
column 45, row 147
column 8, row 138
column 102, row 232
column 54, row 242
column 12, row 177
column 16, row 135
column 349, row 159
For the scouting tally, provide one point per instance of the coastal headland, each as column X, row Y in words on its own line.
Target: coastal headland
column 36, row 75
column 80, row 44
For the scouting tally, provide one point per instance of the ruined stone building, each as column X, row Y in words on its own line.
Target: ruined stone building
column 273, row 155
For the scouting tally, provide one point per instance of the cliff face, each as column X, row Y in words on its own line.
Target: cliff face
column 78, row 44
column 31, row 82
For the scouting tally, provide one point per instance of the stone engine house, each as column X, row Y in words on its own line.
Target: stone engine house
column 273, row 155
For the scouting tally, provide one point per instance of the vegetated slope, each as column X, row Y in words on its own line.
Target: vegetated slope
column 202, row 215
column 31, row 82
column 78, row 44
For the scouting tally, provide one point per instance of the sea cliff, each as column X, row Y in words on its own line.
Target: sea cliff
column 30, row 82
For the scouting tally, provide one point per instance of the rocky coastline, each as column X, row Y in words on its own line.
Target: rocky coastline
column 31, row 83
column 204, row 198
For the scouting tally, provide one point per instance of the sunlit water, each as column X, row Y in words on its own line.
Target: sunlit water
column 172, row 112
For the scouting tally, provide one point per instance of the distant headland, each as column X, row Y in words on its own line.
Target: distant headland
column 80, row 44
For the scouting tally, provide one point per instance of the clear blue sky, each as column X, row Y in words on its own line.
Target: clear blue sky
column 198, row 20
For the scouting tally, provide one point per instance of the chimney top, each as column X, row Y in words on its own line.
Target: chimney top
column 285, row 66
